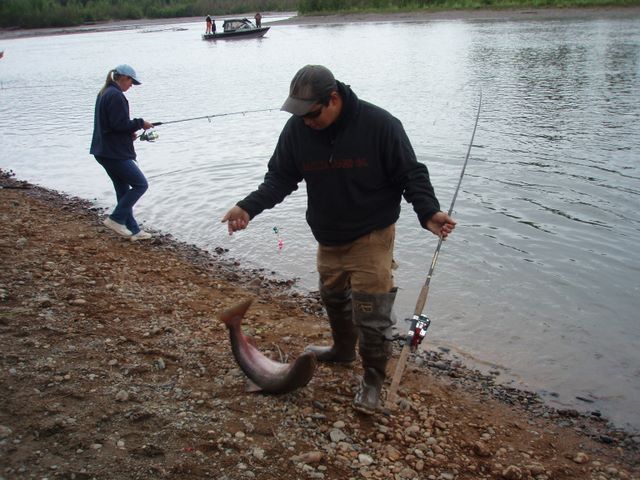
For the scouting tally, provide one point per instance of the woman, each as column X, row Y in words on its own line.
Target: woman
column 112, row 145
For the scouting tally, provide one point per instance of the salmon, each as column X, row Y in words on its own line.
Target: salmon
column 266, row 375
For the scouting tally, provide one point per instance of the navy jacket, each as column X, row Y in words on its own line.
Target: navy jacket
column 112, row 127
column 356, row 171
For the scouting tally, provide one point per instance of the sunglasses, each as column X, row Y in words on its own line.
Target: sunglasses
column 313, row 114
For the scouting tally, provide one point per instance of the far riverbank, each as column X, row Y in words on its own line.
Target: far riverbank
column 294, row 19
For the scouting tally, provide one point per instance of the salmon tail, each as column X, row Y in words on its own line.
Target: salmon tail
column 233, row 316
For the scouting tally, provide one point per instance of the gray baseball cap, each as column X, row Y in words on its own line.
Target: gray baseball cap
column 311, row 84
column 129, row 72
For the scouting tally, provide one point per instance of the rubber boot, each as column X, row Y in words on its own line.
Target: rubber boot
column 372, row 316
column 343, row 330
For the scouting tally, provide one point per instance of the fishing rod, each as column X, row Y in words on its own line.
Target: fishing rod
column 420, row 322
column 152, row 136
column 209, row 117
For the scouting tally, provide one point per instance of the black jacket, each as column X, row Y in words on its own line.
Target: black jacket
column 356, row 170
column 112, row 128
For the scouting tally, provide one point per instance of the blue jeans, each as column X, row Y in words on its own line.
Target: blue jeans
column 130, row 185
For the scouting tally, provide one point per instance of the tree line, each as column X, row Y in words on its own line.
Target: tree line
column 64, row 13
column 355, row 6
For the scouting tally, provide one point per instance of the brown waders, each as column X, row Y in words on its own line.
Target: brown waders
column 343, row 330
column 372, row 316
column 356, row 286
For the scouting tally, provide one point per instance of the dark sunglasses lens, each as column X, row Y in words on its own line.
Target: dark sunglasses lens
column 314, row 114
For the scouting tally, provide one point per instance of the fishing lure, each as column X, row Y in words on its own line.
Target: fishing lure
column 276, row 231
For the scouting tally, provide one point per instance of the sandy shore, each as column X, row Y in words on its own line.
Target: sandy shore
column 418, row 16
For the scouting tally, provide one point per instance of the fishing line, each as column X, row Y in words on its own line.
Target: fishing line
column 209, row 117
column 419, row 322
column 3, row 86
column 152, row 136
column 422, row 299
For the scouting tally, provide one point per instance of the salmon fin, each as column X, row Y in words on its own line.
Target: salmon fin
column 252, row 387
column 233, row 316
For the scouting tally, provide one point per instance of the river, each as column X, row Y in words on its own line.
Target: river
column 540, row 280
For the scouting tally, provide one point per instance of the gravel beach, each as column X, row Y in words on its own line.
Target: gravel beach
column 115, row 365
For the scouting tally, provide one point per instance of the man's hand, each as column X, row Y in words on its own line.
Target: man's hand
column 236, row 219
column 441, row 224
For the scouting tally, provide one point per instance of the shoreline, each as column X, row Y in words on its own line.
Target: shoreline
column 95, row 329
column 413, row 16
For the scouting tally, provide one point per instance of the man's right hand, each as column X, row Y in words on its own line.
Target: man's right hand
column 236, row 219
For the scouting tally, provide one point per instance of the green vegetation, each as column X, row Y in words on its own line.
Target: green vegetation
column 306, row 7
column 62, row 13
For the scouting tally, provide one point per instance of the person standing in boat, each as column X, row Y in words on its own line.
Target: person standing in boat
column 209, row 25
column 358, row 164
column 258, row 19
column 112, row 146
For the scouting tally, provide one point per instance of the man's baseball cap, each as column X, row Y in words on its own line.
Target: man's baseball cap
column 311, row 84
column 129, row 72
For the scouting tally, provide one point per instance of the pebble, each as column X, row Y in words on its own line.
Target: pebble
column 337, row 435
column 481, row 449
column 512, row 473
column 580, row 458
column 258, row 453
column 122, row 396
column 313, row 457
column 5, row 432
column 392, row 453
column 408, row 473
column 412, row 431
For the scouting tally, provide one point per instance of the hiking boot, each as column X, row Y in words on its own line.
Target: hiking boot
column 116, row 227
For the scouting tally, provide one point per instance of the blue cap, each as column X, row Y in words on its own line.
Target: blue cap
column 128, row 70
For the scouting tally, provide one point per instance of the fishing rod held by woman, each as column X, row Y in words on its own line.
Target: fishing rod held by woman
column 112, row 146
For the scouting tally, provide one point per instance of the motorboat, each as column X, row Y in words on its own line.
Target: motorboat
column 233, row 28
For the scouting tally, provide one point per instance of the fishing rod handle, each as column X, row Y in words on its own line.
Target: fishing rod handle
column 155, row 124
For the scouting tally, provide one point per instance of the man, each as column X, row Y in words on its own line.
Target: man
column 357, row 163
column 209, row 22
